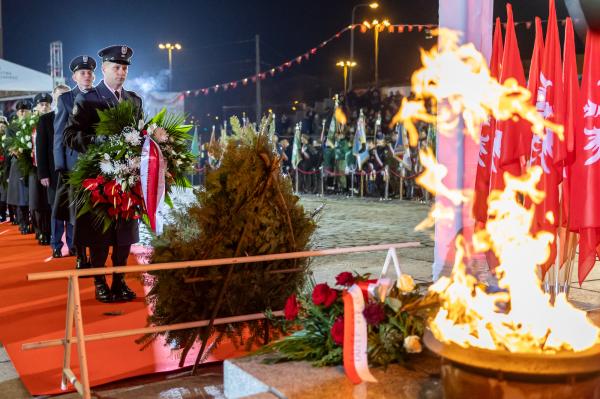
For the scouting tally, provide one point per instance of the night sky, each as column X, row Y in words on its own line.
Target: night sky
column 217, row 39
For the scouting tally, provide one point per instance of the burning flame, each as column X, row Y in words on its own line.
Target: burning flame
column 442, row 77
column 520, row 317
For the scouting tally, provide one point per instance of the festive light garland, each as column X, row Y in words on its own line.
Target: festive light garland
column 399, row 28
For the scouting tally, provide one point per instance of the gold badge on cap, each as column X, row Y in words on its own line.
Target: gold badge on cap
column 123, row 50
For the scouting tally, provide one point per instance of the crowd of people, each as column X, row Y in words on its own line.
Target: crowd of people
column 38, row 198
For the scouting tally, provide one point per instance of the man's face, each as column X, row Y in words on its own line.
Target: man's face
column 43, row 107
column 22, row 113
column 84, row 78
column 114, row 74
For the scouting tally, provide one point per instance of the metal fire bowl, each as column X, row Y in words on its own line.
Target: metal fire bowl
column 496, row 361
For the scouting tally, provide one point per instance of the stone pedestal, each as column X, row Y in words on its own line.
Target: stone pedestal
column 251, row 378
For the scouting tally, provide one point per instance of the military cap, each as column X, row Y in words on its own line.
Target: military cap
column 82, row 62
column 23, row 104
column 42, row 98
column 117, row 54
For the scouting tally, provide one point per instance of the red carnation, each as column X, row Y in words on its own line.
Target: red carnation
column 374, row 313
column 323, row 295
column 337, row 331
column 291, row 308
column 345, row 279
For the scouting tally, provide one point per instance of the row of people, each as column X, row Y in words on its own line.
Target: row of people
column 43, row 201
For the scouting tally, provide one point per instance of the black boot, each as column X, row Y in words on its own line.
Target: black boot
column 103, row 293
column 121, row 292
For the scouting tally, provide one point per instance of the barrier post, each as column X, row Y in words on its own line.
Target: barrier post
column 68, row 335
column 83, row 365
column 297, row 190
column 322, row 179
column 386, row 176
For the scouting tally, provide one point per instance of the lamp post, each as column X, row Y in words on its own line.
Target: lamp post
column 373, row 6
column 170, row 47
column 377, row 28
column 346, row 65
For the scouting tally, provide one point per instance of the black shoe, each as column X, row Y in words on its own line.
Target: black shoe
column 44, row 239
column 56, row 253
column 14, row 222
column 72, row 252
column 82, row 264
column 103, row 293
column 38, row 236
column 121, row 292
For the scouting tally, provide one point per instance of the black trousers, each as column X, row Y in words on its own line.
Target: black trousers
column 98, row 255
column 41, row 221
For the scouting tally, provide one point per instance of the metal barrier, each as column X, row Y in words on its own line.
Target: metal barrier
column 74, row 311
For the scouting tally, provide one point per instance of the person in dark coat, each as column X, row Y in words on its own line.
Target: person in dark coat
column 4, row 162
column 17, row 191
column 38, row 196
column 83, row 68
column 79, row 134
column 48, row 176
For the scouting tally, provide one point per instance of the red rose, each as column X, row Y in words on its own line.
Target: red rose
column 291, row 308
column 323, row 295
column 374, row 313
column 337, row 331
column 345, row 279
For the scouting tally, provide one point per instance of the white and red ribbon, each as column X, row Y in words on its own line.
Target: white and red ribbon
column 356, row 364
column 153, row 169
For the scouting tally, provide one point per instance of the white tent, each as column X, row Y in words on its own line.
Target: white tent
column 17, row 81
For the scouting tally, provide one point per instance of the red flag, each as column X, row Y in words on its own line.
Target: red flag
column 585, row 171
column 572, row 118
column 549, row 152
column 482, row 179
column 533, row 83
column 505, row 153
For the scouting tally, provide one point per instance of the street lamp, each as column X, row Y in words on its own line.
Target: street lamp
column 170, row 47
column 377, row 27
column 345, row 65
column 373, row 6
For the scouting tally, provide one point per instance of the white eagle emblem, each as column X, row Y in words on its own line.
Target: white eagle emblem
column 542, row 147
column 593, row 145
column 496, row 150
column 123, row 50
column 482, row 149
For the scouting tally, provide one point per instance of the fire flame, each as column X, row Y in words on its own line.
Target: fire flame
column 520, row 317
column 445, row 71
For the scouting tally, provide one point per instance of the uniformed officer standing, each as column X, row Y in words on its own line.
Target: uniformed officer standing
column 47, row 175
column 63, row 216
column 18, row 194
column 4, row 161
column 38, row 196
column 79, row 134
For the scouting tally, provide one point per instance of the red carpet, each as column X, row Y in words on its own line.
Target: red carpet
column 35, row 311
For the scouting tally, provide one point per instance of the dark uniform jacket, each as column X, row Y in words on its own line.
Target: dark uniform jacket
column 79, row 134
column 64, row 157
column 44, row 153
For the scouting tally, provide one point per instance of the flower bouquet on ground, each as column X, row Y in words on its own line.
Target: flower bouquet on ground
column 20, row 142
column 395, row 318
column 132, row 166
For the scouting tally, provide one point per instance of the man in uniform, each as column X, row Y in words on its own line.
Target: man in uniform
column 38, row 197
column 83, row 68
column 79, row 134
column 4, row 161
column 17, row 192
column 47, row 175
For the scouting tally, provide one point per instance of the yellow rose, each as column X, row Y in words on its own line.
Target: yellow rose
column 405, row 283
column 412, row 344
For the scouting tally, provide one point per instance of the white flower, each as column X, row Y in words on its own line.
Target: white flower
column 412, row 344
column 107, row 157
column 132, row 180
column 106, row 167
column 405, row 283
column 24, row 125
column 161, row 135
column 28, row 138
column 141, row 124
column 178, row 163
column 29, row 145
column 134, row 163
column 132, row 136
